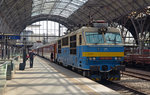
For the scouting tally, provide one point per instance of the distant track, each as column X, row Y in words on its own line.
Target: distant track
column 122, row 89
column 126, row 87
column 137, row 75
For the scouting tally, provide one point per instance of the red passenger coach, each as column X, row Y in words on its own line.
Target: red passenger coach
column 48, row 51
column 40, row 51
column 136, row 59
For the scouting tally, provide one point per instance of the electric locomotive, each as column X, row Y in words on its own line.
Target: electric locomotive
column 96, row 51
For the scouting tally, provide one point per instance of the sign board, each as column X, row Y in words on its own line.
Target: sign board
column 12, row 37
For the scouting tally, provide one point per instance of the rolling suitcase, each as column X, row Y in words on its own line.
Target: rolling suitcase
column 21, row 66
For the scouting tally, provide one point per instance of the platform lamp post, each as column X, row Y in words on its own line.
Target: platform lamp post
column 24, row 53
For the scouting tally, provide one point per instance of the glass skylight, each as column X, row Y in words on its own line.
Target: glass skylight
column 62, row 8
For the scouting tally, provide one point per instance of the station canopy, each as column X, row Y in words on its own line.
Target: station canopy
column 20, row 13
column 62, row 8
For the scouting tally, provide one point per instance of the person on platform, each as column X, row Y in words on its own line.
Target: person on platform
column 52, row 56
column 31, row 56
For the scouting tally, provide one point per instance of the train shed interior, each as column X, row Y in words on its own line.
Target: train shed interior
column 60, row 31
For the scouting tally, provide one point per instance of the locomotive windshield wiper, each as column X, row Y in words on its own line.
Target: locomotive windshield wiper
column 96, row 43
column 99, row 40
column 113, row 40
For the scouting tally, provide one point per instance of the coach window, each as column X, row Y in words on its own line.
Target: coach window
column 59, row 46
column 80, row 39
column 73, row 44
column 65, row 41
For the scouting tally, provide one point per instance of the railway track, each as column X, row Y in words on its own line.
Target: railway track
column 141, row 75
column 133, row 82
column 124, row 90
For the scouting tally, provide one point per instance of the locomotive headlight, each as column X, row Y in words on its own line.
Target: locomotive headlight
column 90, row 58
column 94, row 58
column 119, row 58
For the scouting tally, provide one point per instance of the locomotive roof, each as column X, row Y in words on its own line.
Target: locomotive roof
column 110, row 29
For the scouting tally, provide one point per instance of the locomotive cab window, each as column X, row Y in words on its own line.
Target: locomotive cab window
column 94, row 38
column 59, row 46
column 113, row 38
column 65, row 41
column 73, row 44
column 80, row 39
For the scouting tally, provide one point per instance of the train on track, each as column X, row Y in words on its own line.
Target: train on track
column 97, row 52
column 135, row 59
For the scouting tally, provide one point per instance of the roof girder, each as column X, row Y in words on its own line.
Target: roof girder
column 18, row 12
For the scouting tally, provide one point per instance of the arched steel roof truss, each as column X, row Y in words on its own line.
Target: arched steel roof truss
column 20, row 13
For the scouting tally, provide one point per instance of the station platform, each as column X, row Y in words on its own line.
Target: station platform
column 46, row 78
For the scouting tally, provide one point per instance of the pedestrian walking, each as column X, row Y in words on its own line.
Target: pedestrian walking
column 31, row 56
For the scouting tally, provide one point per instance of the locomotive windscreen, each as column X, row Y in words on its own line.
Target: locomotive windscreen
column 94, row 38
column 97, row 38
column 113, row 38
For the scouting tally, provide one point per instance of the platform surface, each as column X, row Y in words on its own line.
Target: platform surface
column 47, row 78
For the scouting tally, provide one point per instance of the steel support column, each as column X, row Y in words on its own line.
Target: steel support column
column 122, row 28
column 139, row 25
column 59, row 30
column 47, row 30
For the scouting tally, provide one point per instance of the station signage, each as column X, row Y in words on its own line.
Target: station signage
column 11, row 37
